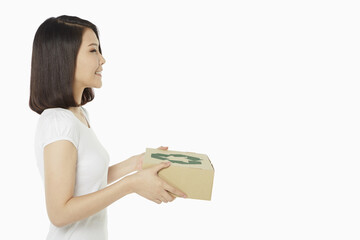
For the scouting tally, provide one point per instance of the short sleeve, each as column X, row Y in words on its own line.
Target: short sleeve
column 55, row 125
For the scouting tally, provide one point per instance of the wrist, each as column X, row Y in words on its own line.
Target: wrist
column 129, row 181
column 137, row 161
column 129, row 164
column 133, row 162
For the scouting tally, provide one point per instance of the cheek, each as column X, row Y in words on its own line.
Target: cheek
column 91, row 66
column 80, row 73
column 85, row 69
column 86, row 66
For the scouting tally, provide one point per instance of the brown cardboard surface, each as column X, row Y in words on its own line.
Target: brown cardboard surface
column 190, row 172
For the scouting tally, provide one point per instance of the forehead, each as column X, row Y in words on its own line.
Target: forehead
column 89, row 37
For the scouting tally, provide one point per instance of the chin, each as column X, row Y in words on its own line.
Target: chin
column 98, row 84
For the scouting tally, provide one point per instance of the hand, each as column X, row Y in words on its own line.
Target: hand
column 149, row 185
column 139, row 159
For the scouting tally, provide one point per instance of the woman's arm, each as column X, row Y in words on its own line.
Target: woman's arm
column 60, row 173
column 123, row 168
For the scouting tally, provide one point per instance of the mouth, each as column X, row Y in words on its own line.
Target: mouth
column 98, row 73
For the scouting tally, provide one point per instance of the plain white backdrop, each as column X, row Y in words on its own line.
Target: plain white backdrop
column 268, row 89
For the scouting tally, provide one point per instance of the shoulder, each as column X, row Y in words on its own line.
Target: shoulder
column 55, row 114
column 57, row 123
column 56, row 118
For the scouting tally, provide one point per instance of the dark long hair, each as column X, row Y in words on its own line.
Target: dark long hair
column 56, row 45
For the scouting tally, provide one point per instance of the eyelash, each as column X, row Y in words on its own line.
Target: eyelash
column 94, row 50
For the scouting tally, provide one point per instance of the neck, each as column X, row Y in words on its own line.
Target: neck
column 75, row 109
column 78, row 92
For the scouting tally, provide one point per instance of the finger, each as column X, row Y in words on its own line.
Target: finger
column 163, row 148
column 175, row 191
column 157, row 201
column 163, row 199
column 166, row 195
column 160, row 166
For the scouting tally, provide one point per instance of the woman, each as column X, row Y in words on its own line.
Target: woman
column 66, row 65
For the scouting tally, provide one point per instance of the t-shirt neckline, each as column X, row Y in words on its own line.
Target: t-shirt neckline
column 87, row 121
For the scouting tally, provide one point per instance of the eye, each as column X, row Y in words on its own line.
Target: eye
column 94, row 50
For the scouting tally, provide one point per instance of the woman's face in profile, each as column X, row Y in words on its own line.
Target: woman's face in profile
column 89, row 62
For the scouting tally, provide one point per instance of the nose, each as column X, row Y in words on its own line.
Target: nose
column 102, row 59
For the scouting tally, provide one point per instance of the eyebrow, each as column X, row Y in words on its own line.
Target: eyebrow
column 92, row 44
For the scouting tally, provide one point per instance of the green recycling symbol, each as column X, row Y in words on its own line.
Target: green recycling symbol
column 177, row 158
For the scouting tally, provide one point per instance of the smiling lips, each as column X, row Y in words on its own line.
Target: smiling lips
column 98, row 73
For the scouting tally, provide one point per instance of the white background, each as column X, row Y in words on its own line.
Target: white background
column 268, row 89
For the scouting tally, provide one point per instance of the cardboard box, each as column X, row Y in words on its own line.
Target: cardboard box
column 191, row 173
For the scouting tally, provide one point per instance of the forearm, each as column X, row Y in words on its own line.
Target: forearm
column 78, row 208
column 121, row 169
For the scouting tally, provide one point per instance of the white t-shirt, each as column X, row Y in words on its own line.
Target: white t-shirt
column 91, row 169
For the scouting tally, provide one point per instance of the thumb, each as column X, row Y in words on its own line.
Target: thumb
column 160, row 166
column 163, row 148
